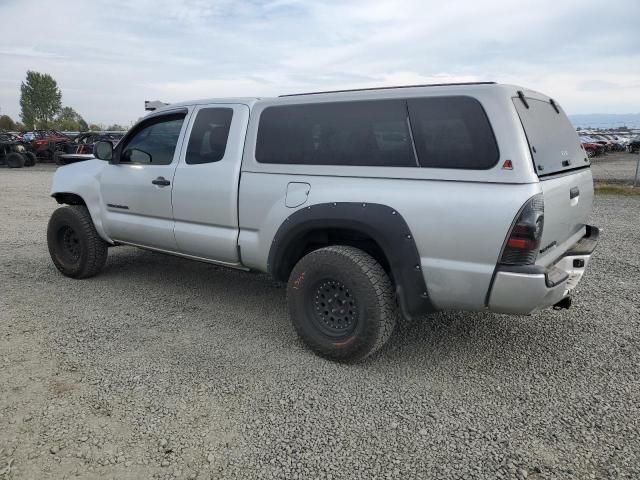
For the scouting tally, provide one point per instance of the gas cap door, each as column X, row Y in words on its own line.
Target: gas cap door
column 297, row 194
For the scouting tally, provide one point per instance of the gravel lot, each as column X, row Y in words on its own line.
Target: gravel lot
column 165, row 368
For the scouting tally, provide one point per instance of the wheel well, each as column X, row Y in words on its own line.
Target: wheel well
column 68, row 198
column 318, row 238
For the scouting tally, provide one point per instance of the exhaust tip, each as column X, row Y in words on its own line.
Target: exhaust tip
column 565, row 303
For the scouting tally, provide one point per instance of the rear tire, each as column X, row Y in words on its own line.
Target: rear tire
column 29, row 159
column 57, row 160
column 14, row 160
column 74, row 244
column 341, row 303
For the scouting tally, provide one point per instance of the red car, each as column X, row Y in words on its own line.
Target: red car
column 47, row 142
column 591, row 149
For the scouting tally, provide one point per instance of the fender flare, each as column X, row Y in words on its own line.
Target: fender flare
column 380, row 222
column 69, row 198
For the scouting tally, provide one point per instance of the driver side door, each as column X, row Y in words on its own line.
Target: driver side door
column 136, row 187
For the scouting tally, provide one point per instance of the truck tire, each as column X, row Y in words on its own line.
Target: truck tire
column 74, row 244
column 14, row 160
column 341, row 303
column 29, row 159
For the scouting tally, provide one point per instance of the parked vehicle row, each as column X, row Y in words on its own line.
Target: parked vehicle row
column 596, row 144
column 55, row 146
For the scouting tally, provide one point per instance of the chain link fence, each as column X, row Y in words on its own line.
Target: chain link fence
column 619, row 168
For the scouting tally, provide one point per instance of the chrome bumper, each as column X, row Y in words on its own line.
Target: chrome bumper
column 524, row 289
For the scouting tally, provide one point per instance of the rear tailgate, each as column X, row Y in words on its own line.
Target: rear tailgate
column 564, row 172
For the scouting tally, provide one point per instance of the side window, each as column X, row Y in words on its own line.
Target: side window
column 365, row 133
column 155, row 143
column 452, row 132
column 208, row 139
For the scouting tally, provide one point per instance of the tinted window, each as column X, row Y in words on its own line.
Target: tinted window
column 373, row 133
column 452, row 132
column 209, row 135
column 155, row 143
column 553, row 141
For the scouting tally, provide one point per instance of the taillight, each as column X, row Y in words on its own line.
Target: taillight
column 524, row 238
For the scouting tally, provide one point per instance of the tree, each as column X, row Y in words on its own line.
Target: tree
column 95, row 127
column 116, row 128
column 70, row 120
column 6, row 123
column 40, row 99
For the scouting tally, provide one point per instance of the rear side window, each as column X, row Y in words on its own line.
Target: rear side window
column 452, row 132
column 365, row 133
column 209, row 134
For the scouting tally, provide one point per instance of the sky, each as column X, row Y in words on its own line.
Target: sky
column 108, row 57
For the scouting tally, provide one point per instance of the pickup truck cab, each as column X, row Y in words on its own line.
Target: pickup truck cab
column 370, row 204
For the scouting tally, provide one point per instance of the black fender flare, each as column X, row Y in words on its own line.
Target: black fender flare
column 381, row 223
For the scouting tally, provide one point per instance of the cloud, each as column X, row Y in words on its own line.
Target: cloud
column 110, row 56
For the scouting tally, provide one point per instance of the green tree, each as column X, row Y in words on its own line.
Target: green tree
column 95, row 127
column 40, row 99
column 116, row 128
column 6, row 123
column 70, row 120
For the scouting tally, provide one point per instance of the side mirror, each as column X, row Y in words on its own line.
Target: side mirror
column 103, row 150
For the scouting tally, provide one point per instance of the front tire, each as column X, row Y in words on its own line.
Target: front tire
column 14, row 160
column 341, row 303
column 74, row 244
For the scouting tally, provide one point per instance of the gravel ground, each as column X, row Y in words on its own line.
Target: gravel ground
column 615, row 167
column 164, row 368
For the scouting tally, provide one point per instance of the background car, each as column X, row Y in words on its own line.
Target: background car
column 13, row 153
column 47, row 142
column 592, row 147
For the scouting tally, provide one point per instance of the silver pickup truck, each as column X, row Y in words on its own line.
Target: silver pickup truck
column 370, row 203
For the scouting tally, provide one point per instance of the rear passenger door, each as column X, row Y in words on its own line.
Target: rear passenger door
column 205, row 186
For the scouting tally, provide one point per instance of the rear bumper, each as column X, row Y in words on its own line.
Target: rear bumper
column 525, row 289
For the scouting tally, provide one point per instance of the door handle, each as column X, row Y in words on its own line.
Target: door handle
column 574, row 192
column 161, row 182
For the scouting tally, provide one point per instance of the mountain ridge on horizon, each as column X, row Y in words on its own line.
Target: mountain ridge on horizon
column 605, row 120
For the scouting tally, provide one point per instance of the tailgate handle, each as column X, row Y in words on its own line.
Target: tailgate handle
column 573, row 193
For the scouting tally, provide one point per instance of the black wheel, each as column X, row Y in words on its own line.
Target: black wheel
column 74, row 245
column 47, row 156
column 341, row 303
column 56, row 158
column 29, row 159
column 14, row 160
column 590, row 153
